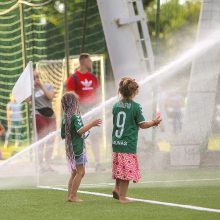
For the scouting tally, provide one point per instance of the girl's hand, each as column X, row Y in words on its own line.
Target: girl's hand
column 87, row 127
column 157, row 120
column 97, row 122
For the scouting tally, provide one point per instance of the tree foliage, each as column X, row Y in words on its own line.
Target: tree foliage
column 178, row 24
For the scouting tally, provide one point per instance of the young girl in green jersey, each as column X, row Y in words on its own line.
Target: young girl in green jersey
column 73, row 130
column 127, row 119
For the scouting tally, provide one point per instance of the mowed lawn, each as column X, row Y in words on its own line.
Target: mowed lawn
column 46, row 204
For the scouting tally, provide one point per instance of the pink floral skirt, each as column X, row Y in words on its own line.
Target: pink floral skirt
column 125, row 167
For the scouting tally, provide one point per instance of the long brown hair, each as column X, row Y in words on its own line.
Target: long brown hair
column 70, row 106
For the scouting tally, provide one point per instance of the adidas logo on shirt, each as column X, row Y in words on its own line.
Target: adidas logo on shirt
column 87, row 84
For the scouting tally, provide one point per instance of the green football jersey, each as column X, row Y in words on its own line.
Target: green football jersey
column 127, row 115
column 77, row 140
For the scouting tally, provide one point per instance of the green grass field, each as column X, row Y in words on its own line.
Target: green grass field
column 199, row 187
column 36, row 204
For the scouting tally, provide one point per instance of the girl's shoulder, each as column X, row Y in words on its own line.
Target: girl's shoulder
column 136, row 104
column 76, row 116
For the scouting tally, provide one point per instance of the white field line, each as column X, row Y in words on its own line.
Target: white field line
column 197, row 208
column 145, row 182
column 175, row 181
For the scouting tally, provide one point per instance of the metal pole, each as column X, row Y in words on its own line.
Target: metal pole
column 24, row 55
column 103, row 80
column 66, row 38
column 24, row 58
column 84, row 27
column 35, row 138
column 23, row 45
column 157, row 24
column 33, row 102
column 155, row 91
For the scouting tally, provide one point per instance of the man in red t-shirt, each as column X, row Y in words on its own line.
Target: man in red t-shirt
column 84, row 83
column 86, row 87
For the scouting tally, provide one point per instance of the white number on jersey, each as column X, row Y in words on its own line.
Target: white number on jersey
column 120, row 123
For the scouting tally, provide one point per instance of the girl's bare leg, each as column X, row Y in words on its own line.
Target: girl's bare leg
column 123, row 189
column 115, row 190
column 80, row 172
column 70, row 182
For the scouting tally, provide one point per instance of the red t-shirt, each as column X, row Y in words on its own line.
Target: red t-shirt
column 85, row 86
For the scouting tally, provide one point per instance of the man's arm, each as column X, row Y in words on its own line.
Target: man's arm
column 70, row 84
column 48, row 93
column 98, row 90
